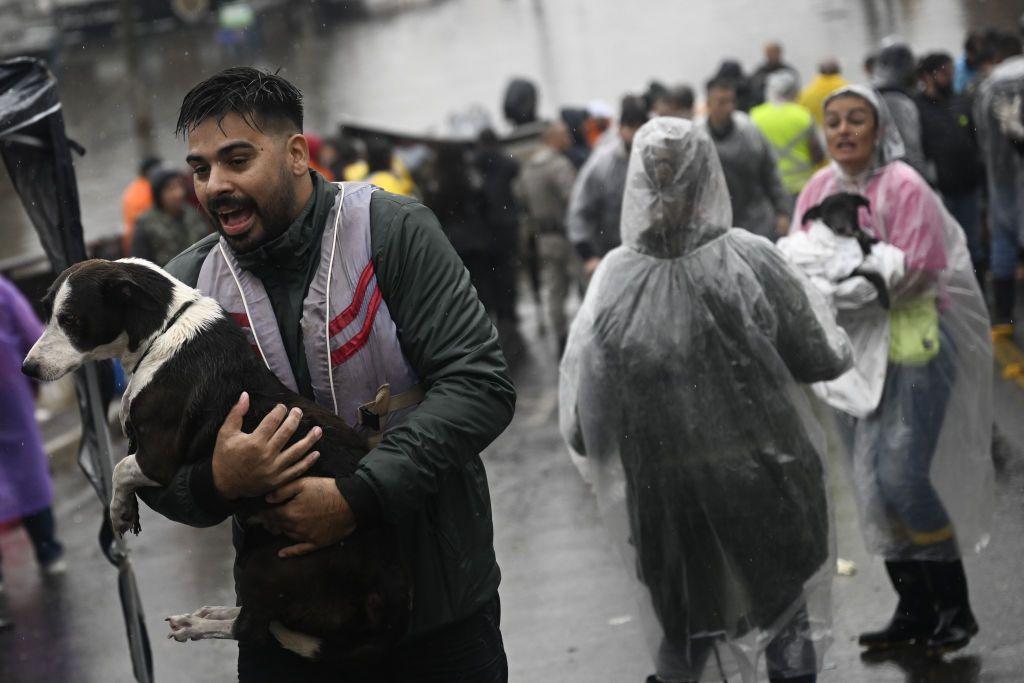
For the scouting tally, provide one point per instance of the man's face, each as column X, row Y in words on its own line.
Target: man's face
column 245, row 179
column 721, row 105
column 943, row 78
column 172, row 197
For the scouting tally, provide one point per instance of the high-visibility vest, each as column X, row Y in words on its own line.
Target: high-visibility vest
column 788, row 127
column 356, row 365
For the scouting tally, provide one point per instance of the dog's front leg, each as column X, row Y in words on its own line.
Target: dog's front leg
column 124, row 507
column 204, row 624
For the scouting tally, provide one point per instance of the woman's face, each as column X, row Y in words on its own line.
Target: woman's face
column 851, row 131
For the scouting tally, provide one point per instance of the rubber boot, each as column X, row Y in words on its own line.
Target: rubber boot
column 956, row 623
column 915, row 618
column 1003, row 294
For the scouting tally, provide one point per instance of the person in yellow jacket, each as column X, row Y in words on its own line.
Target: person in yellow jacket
column 825, row 83
column 791, row 130
column 383, row 169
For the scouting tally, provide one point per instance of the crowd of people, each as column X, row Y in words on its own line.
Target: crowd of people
column 703, row 237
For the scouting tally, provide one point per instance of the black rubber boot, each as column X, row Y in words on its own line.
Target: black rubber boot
column 1003, row 295
column 956, row 623
column 915, row 618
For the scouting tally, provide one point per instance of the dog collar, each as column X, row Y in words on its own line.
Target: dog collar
column 174, row 319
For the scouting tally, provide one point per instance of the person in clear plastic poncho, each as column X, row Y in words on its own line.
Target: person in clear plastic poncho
column 681, row 396
column 920, row 454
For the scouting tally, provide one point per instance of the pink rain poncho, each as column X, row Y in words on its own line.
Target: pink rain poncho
column 683, row 396
column 921, row 463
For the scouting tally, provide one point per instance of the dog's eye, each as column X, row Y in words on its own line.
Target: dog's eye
column 67, row 320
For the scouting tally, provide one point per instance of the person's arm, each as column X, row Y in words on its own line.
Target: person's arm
column 450, row 342
column 584, row 212
column 807, row 337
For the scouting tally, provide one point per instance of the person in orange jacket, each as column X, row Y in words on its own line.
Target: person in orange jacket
column 136, row 200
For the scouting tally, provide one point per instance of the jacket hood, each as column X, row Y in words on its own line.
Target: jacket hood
column 676, row 198
column 895, row 67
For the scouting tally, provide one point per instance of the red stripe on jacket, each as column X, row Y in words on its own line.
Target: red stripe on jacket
column 349, row 314
column 352, row 346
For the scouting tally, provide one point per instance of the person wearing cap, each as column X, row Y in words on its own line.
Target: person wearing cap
column 172, row 224
column 790, row 129
column 596, row 201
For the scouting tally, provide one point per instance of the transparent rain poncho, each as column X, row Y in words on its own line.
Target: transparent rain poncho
column 998, row 114
column 681, row 394
column 921, row 464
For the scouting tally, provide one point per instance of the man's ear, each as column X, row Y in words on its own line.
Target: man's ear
column 812, row 214
column 298, row 154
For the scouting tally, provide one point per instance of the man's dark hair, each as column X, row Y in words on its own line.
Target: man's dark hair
column 720, row 83
column 632, row 111
column 148, row 164
column 932, row 62
column 678, row 97
column 378, row 154
column 263, row 100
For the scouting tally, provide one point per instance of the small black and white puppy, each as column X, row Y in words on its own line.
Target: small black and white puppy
column 188, row 364
column 839, row 212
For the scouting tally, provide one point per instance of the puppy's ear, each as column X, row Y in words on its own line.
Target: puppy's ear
column 812, row 214
column 129, row 292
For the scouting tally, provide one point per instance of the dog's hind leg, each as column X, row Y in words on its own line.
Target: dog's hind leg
column 188, row 627
column 124, row 507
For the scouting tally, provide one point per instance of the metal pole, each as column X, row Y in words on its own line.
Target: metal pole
column 141, row 117
column 105, row 462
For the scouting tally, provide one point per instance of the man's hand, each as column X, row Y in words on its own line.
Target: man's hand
column 312, row 511
column 590, row 265
column 782, row 225
column 246, row 465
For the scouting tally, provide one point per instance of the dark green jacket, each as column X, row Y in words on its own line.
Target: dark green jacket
column 426, row 476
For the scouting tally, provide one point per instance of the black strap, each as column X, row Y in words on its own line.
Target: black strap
column 174, row 319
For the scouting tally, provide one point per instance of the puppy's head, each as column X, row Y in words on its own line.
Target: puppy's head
column 95, row 310
column 839, row 212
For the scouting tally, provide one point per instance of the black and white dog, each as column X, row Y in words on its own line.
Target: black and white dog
column 189, row 363
column 839, row 213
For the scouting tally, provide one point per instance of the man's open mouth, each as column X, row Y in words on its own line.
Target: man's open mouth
column 236, row 222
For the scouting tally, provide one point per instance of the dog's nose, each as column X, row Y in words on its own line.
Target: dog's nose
column 30, row 368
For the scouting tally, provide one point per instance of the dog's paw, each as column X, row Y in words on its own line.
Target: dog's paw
column 181, row 626
column 124, row 514
column 216, row 612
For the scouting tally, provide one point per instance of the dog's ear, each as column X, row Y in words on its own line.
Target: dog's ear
column 126, row 289
column 812, row 214
column 861, row 200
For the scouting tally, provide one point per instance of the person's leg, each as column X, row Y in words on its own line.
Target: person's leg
column 790, row 657
column 42, row 530
column 966, row 209
column 554, row 259
column 1003, row 253
column 469, row 651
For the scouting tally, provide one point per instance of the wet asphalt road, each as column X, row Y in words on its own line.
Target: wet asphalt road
column 566, row 613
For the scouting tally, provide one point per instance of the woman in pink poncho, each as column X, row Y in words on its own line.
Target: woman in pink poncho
column 921, row 467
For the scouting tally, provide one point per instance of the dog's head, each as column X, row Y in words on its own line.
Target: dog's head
column 98, row 309
column 839, row 212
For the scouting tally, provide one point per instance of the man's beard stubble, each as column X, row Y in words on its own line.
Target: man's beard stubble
column 275, row 215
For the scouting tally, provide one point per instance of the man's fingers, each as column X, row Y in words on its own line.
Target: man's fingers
column 271, row 421
column 233, row 422
column 298, row 469
column 283, row 493
column 298, row 449
column 287, row 430
column 296, row 550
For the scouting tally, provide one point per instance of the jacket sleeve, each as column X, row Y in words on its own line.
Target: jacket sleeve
column 807, row 337
column 450, row 342
column 584, row 210
column 190, row 498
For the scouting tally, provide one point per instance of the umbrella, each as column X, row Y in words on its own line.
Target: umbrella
column 37, row 154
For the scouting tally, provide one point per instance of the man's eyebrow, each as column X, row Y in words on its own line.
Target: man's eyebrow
column 223, row 151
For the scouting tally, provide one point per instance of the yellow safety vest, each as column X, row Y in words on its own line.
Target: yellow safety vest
column 788, row 127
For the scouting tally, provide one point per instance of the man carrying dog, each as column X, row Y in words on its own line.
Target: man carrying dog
column 411, row 359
